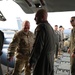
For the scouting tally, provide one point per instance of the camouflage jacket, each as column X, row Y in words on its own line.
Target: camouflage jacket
column 72, row 41
column 21, row 44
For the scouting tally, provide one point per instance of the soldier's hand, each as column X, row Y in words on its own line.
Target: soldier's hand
column 68, row 50
column 73, row 55
column 29, row 65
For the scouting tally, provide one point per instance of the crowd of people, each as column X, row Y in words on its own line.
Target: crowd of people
column 35, row 52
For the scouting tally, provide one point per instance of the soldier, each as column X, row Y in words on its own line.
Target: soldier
column 42, row 55
column 21, row 44
column 58, row 39
column 61, row 43
column 71, row 49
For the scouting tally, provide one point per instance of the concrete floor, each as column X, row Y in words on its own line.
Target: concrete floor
column 61, row 66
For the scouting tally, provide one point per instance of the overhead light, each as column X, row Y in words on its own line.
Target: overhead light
column 2, row 18
column 38, row 5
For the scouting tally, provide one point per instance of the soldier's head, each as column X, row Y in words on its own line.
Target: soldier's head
column 40, row 16
column 56, row 27
column 72, row 21
column 26, row 26
column 60, row 27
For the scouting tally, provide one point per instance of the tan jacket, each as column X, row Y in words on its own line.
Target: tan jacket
column 21, row 44
column 72, row 45
column 72, row 41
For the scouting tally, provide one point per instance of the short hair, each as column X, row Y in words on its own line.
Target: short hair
column 56, row 25
column 60, row 26
column 24, row 22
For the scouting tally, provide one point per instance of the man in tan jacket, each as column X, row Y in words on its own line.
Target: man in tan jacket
column 71, row 50
column 21, row 44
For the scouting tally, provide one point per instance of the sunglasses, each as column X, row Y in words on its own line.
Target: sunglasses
column 72, row 21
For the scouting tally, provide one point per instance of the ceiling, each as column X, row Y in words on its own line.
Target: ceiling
column 30, row 6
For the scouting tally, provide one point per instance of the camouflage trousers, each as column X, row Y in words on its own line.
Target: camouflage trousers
column 19, row 65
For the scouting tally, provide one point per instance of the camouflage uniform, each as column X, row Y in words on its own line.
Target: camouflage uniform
column 58, row 39
column 72, row 50
column 22, row 44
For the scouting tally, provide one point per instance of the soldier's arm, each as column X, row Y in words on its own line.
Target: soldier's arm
column 73, row 51
column 74, row 46
column 13, row 45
